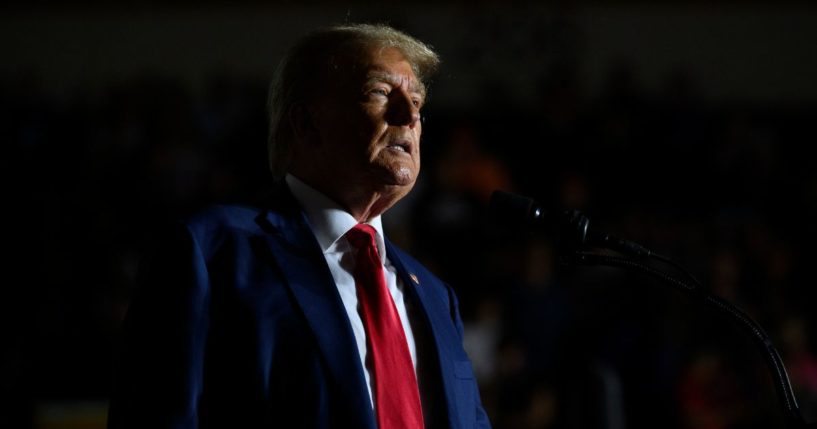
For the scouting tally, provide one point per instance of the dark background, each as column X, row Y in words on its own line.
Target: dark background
column 685, row 126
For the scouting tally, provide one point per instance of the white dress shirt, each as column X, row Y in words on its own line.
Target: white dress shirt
column 330, row 223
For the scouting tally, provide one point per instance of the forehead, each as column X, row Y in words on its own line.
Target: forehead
column 382, row 63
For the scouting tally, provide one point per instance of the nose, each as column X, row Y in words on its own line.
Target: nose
column 402, row 111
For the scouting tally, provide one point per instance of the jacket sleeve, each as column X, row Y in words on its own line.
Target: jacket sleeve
column 159, row 369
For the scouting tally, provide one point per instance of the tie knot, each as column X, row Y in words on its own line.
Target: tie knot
column 361, row 235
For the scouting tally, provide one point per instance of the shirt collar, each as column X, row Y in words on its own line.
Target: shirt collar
column 329, row 221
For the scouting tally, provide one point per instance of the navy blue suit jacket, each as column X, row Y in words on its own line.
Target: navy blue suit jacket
column 239, row 325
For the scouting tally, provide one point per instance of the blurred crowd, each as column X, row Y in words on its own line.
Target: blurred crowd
column 722, row 188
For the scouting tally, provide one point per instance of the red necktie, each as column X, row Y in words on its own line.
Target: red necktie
column 396, row 396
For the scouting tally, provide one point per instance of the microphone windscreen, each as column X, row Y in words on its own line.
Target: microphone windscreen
column 509, row 207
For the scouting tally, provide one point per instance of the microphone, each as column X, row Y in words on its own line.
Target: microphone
column 517, row 209
column 572, row 226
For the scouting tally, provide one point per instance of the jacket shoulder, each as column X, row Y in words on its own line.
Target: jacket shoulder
column 217, row 224
column 224, row 217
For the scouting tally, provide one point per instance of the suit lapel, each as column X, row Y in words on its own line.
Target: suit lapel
column 437, row 317
column 298, row 255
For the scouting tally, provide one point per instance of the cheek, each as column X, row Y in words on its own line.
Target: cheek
column 419, row 140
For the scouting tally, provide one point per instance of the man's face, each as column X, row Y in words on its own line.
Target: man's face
column 368, row 124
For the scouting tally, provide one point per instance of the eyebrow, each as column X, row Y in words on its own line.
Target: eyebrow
column 415, row 86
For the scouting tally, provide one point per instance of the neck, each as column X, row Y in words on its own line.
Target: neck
column 366, row 206
column 356, row 199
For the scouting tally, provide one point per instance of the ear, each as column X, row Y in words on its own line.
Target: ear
column 303, row 122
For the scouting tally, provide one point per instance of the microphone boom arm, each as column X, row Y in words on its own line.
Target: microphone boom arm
column 572, row 227
column 771, row 357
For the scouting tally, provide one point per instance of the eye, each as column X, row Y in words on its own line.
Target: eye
column 418, row 102
column 384, row 92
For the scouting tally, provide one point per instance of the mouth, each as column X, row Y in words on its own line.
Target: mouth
column 403, row 146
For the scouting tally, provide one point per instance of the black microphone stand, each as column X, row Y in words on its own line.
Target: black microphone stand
column 694, row 289
column 581, row 247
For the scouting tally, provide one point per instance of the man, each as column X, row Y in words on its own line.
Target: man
column 300, row 314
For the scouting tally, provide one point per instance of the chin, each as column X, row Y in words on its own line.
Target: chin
column 405, row 177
